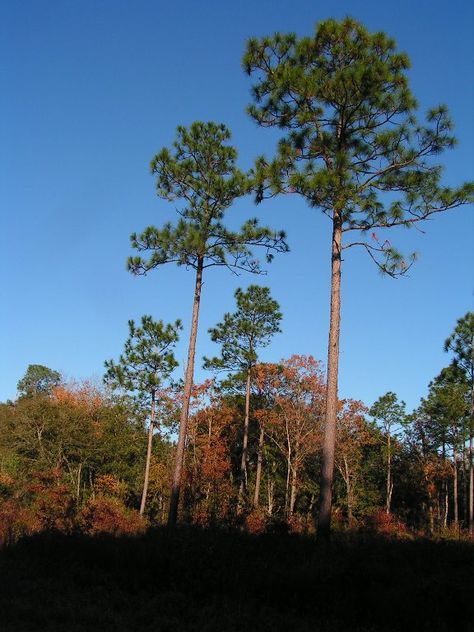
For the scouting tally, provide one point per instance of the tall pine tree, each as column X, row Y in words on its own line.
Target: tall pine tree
column 240, row 335
column 353, row 148
column 147, row 361
column 461, row 344
column 201, row 176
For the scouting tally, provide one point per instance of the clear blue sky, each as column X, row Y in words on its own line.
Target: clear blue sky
column 91, row 90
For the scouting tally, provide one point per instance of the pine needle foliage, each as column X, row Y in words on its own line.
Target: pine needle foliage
column 201, row 176
column 352, row 143
column 240, row 334
column 147, row 360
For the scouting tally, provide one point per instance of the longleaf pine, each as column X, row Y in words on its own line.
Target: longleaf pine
column 353, row 148
column 147, row 361
column 240, row 335
column 200, row 175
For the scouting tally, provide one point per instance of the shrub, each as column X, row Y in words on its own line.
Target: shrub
column 109, row 515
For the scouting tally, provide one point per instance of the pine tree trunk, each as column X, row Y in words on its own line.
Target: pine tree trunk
column 148, row 455
column 243, row 461
column 389, row 475
column 258, row 476
column 325, row 505
column 471, row 488
column 455, row 488
column 465, row 493
column 188, row 384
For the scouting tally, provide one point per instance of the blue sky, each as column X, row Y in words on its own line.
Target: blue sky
column 93, row 89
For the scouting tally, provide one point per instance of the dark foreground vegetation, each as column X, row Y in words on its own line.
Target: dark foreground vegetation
column 205, row 580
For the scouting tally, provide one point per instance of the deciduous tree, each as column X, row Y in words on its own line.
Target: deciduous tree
column 38, row 379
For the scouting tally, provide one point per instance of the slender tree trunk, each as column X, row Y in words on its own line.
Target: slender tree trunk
column 465, row 493
column 294, row 487
column 389, row 474
column 325, row 505
column 91, row 484
column 347, row 479
column 471, row 488
column 245, row 440
column 148, row 455
column 270, row 495
column 188, row 384
column 455, row 488
column 78, row 487
column 258, row 476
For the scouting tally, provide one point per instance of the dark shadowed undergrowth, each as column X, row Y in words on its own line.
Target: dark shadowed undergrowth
column 196, row 580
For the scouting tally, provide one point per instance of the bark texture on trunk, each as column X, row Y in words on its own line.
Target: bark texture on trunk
column 245, row 440
column 258, row 476
column 148, row 455
column 188, row 384
column 325, row 504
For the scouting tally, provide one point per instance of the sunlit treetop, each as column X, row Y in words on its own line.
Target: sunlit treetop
column 353, row 146
column 199, row 175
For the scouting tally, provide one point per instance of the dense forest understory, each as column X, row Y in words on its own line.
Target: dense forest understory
column 210, row 580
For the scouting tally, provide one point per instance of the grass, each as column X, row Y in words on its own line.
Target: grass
column 212, row 581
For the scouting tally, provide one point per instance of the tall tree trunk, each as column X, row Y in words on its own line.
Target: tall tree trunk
column 325, row 505
column 78, row 487
column 188, row 384
column 294, row 489
column 258, row 475
column 148, row 455
column 245, row 440
column 471, row 465
column 270, row 495
column 471, row 487
column 455, row 488
column 445, row 488
column 347, row 479
column 389, row 474
column 465, row 493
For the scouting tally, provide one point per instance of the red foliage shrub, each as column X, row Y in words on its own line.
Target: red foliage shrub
column 108, row 515
column 110, row 485
column 382, row 523
column 256, row 522
column 15, row 522
column 52, row 503
column 298, row 523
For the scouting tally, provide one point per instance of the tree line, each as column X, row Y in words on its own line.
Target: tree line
column 101, row 458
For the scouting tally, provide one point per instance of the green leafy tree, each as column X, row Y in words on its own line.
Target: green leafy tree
column 37, row 380
column 390, row 413
column 353, row 148
column 200, row 174
column 146, row 362
column 240, row 335
column 461, row 344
